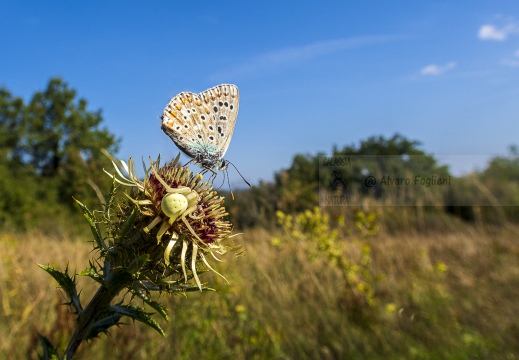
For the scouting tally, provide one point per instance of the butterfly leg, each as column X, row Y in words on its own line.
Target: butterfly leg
column 213, row 175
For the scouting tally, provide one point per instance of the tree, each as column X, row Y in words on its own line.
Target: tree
column 11, row 127
column 16, row 182
column 52, row 146
column 63, row 139
column 379, row 145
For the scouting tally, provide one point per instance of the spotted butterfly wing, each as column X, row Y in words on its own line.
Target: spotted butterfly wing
column 201, row 125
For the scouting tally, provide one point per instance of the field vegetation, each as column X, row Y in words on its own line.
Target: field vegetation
column 435, row 279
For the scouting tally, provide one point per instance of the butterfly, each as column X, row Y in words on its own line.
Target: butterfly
column 201, row 125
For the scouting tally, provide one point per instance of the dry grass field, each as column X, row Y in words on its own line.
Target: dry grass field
column 444, row 292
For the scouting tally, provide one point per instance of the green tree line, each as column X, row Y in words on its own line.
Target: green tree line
column 492, row 193
column 49, row 151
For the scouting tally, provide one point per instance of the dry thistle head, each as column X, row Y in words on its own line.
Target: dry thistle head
column 176, row 219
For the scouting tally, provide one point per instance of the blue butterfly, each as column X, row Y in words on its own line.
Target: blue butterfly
column 201, row 125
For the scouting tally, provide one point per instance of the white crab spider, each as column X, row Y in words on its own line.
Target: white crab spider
column 179, row 202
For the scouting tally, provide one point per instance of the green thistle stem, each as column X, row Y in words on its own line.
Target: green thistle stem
column 115, row 282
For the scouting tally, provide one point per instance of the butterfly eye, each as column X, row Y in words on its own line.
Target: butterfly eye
column 226, row 104
column 211, row 127
column 202, row 117
column 211, row 138
column 231, row 107
column 220, row 104
column 223, row 118
column 215, row 109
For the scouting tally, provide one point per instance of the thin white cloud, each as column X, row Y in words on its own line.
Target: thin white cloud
column 296, row 54
column 434, row 69
column 491, row 32
column 512, row 62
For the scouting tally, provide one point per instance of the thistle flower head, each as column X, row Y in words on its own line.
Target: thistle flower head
column 177, row 220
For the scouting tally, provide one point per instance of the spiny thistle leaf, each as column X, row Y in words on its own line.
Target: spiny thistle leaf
column 137, row 264
column 154, row 304
column 98, row 237
column 129, row 222
column 111, row 197
column 91, row 273
column 67, row 283
column 180, row 289
column 49, row 351
column 102, row 325
column 137, row 313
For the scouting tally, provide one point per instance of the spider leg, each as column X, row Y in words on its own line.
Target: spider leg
column 184, row 220
column 162, row 231
column 169, row 189
column 170, row 246
column 183, row 258
column 209, row 266
column 152, row 224
column 193, row 266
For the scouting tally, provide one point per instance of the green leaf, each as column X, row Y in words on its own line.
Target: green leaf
column 111, row 197
column 180, row 287
column 49, row 351
column 93, row 225
column 107, row 320
column 190, row 289
column 137, row 264
column 137, row 313
column 154, row 304
column 129, row 222
column 93, row 274
column 67, row 283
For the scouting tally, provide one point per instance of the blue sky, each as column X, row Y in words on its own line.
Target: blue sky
column 311, row 74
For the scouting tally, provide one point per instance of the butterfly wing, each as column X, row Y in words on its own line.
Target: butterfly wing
column 202, row 125
column 224, row 101
column 179, row 121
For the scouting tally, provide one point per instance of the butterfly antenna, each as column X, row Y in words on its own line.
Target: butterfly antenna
column 246, row 182
column 226, row 174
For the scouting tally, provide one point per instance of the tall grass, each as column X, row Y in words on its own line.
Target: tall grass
column 438, row 292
